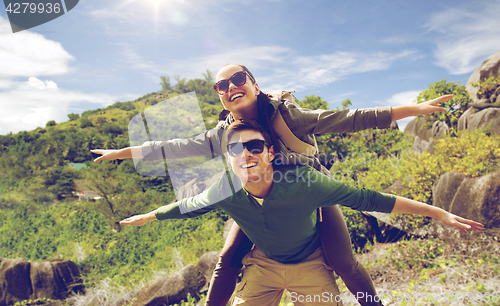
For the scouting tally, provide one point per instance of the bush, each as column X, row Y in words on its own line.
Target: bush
column 85, row 122
column 50, row 123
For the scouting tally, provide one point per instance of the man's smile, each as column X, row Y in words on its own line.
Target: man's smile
column 249, row 165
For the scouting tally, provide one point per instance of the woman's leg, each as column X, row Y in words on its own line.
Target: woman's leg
column 228, row 268
column 338, row 252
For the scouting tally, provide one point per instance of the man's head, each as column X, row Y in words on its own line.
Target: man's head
column 250, row 151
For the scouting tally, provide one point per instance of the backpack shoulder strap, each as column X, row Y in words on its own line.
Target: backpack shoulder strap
column 286, row 135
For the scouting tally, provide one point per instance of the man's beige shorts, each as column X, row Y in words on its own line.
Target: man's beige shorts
column 310, row 282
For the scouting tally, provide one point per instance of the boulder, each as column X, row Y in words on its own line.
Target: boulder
column 436, row 131
column 206, row 264
column 420, row 146
column 472, row 198
column 194, row 187
column 22, row 280
column 488, row 118
column 490, row 67
column 425, row 138
column 484, row 111
column 172, row 290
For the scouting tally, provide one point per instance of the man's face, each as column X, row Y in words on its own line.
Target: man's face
column 237, row 98
column 251, row 167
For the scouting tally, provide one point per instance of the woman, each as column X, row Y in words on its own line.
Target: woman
column 242, row 99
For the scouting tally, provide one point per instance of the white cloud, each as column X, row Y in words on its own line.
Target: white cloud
column 28, row 105
column 468, row 35
column 278, row 67
column 404, row 98
column 28, row 54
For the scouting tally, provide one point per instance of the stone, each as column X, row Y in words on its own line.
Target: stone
column 172, row 290
column 55, row 279
column 488, row 118
column 206, row 264
column 490, row 67
column 425, row 138
column 475, row 198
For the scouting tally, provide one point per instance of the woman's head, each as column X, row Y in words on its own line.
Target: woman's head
column 240, row 98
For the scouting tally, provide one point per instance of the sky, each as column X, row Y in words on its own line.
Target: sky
column 375, row 53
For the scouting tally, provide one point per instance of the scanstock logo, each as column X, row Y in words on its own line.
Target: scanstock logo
column 28, row 14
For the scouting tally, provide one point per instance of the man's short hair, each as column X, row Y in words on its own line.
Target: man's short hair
column 248, row 124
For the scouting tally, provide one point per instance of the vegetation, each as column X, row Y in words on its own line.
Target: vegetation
column 454, row 107
column 488, row 87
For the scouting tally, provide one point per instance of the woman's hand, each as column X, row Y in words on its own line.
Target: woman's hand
column 139, row 220
column 433, row 105
column 424, row 108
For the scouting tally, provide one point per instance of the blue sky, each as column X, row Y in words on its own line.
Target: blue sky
column 374, row 52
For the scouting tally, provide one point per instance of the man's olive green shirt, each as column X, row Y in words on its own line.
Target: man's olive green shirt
column 285, row 225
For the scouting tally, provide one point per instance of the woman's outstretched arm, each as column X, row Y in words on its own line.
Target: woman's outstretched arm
column 129, row 152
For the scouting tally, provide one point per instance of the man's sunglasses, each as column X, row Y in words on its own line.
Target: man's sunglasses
column 238, row 79
column 255, row 146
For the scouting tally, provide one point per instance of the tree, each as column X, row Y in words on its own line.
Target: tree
column 209, row 76
column 165, row 83
column 313, row 102
column 59, row 180
column 73, row 116
column 346, row 104
column 454, row 107
column 50, row 123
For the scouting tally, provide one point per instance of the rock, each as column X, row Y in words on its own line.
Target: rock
column 490, row 67
column 206, row 264
column 420, row 146
column 486, row 118
column 445, row 189
column 193, row 187
column 425, row 138
column 171, row 290
column 22, row 280
column 475, row 198
column 436, row 131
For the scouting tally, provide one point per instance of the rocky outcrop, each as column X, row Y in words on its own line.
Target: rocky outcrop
column 488, row 119
column 174, row 289
column 472, row 198
column 22, row 280
column 490, row 67
column 484, row 111
column 206, row 264
column 426, row 136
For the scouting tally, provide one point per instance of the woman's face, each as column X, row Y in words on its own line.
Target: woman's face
column 239, row 100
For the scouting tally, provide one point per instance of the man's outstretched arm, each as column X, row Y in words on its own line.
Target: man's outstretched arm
column 407, row 206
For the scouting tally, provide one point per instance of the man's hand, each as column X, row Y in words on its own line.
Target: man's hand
column 106, row 154
column 433, row 105
column 459, row 222
column 139, row 220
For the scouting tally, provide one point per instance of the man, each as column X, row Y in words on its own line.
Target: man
column 276, row 208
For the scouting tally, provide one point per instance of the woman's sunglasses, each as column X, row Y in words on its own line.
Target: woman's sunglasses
column 255, row 146
column 238, row 79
